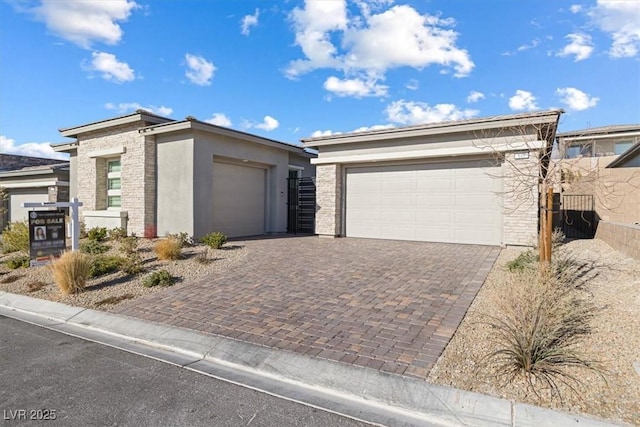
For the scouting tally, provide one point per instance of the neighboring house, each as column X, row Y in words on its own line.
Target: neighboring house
column 145, row 173
column 602, row 163
column 470, row 181
column 597, row 147
column 31, row 179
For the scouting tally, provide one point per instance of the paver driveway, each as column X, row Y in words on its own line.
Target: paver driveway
column 386, row 305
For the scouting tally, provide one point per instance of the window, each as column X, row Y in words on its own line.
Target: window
column 114, row 184
column 622, row 146
column 582, row 150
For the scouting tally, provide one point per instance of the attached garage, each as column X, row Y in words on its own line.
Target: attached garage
column 470, row 181
column 239, row 199
column 456, row 202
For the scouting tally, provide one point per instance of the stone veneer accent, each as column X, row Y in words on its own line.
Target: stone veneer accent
column 520, row 200
column 329, row 200
column 138, row 173
column 621, row 237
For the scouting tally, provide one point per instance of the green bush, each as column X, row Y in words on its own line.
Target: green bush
column 525, row 260
column 18, row 261
column 93, row 247
column 132, row 261
column 15, row 237
column 117, row 233
column 214, row 240
column 129, row 245
column 97, row 234
column 105, row 264
column 158, row 278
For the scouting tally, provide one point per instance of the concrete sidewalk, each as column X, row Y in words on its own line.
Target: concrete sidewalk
column 357, row 392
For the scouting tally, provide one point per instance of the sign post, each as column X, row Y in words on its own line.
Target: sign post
column 74, row 204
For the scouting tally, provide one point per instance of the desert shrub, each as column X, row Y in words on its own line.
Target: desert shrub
column 18, row 261
column 536, row 330
column 214, row 240
column 183, row 238
column 150, row 231
column 71, row 271
column 117, row 233
column 93, row 247
column 158, row 278
column 168, row 249
column 526, row 259
column 203, row 257
column 97, row 234
column 105, row 264
column 15, row 237
column 132, row 263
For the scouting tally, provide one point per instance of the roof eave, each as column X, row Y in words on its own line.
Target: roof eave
column 140, row 115
column 624, row 157
column 548, row 117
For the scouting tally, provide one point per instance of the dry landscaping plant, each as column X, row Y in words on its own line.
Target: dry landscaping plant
column 35, row 286
column 169, row 249
column 15, row 237
column 114, row 300
column 536, row 332
column 71, row 271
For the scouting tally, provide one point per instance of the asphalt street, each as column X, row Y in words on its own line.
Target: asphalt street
column 48, row 378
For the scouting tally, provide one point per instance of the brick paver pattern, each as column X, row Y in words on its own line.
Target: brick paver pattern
column 387, row 305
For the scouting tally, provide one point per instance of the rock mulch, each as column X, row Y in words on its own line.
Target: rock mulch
column 614, row 342
column 104, row 292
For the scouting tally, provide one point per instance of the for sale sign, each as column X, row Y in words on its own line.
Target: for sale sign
column 46, row 236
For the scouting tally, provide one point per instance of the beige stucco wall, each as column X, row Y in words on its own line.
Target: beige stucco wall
column 622, row 237
column 308, row 170
column 617, row 195
column 175, row 205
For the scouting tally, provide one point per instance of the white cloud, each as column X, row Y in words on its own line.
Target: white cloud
column 126, row 107
column 534, row 43
column 575, row 8
column 357, row 88
column 373, row 128
column 523, row 100
column 580, row 46
column 319, row 133
column 412, row 84
column 199, row 70
column 268, row 124
column 219, row 119
column 370, row 44
column 475, row 96
column 576, row 99
column 84, row 22
column 621, row 19
column 249, row 21
column 35, row 149
column 110, row 68
column 414, row 113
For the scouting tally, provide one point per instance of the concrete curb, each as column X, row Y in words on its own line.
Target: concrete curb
column 354, row 391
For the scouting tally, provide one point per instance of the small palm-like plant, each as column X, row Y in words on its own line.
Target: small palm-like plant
column 71, row 271
column 539, row 324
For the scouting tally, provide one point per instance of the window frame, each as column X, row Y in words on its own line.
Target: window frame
column 111, row 177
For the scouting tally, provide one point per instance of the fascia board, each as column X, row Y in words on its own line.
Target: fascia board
column 399, row 133
column 429, row 153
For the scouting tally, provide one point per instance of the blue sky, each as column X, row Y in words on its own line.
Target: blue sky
column 293, row 69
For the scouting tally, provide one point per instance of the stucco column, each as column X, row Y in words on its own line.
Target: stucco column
column 329, row 200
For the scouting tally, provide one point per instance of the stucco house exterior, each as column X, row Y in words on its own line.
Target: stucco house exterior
column 31, row 179
column 471, row 181
column 146, row 172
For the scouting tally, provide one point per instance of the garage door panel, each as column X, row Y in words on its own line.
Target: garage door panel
column 238, row 199
column 446, row 202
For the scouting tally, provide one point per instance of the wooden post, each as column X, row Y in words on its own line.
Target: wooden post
column 549, row 224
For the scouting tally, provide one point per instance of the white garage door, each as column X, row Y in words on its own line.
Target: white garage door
column 17, row 197
column 238, row 199
column 457, row 202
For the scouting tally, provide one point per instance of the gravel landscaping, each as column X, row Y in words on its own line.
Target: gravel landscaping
column 614, row 288
column 104, row 292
